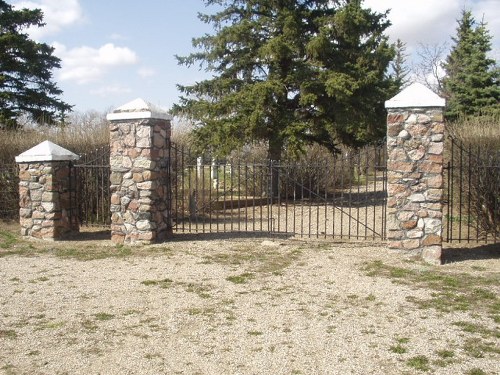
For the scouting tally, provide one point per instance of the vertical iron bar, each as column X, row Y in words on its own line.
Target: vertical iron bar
column 246, row 197
column 376, row 163
column 317, row 198
column 301, row 203
column 451, row 196
column 325, row 186
column 287, row 183
column 334, row 193
column 358, row 201
column 469, row 177
column 366, row 169
column 310, row 203
column 342, row 173
column 460, row 190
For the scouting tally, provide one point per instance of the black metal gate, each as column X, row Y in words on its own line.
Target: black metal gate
column 91, row 196
column 472, row 193
column 340, row 197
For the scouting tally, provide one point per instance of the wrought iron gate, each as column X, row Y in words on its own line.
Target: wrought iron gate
column 91, row 196
column 472, row 194
column 343, row 197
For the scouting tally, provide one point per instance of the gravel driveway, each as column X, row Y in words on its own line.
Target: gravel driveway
column 245, row 306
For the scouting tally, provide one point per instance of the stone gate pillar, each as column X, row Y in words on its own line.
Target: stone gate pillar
column 45, row 188
column 139, row 139
column 415, row 144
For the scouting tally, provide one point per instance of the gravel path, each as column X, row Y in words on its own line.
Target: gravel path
column 226, row 307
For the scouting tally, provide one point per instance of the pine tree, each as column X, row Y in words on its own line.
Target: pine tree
column 289, row 72
column 26, row 70
column 471, row 84
column 400, row 70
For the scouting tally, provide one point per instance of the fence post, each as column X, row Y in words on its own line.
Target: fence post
column 415, row 145
column 45, row 192
column 139, row 139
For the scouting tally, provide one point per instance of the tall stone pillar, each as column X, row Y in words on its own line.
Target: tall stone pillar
column 139, row 137
column 45, row 188
column 415, row 144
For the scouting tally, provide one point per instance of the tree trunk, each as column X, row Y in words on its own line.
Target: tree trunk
column 274, row 155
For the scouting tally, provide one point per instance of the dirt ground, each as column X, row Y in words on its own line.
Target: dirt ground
column 219, row 305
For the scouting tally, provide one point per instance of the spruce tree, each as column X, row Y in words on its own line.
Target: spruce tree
column 289, row 72
column 400, row 70
column 26, row 70
column 471, row 84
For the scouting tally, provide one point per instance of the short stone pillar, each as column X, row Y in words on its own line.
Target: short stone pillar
column 45, row 188
column 415, row 144
column 139, row 138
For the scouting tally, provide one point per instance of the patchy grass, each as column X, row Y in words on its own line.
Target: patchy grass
column 446, row 358
column 399, row 348
column 255, row 333
column 240, row 279
column 165, row 283
column 8, row 334
column 204, row 311
column 419, row 362
column 258, row 260
column 7, row 239
column 202, row 290
column 471, row 327
column 477, row 347
column 102, row 316
column 93, row 253
column 451, row 292
column 475, row 371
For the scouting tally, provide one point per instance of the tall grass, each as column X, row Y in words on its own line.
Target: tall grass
column 474, row 151
column 79, row 137
column 480, row 132
column 84, row 133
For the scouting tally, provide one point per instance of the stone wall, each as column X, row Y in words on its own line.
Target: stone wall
column 415, row 142
column 139, row 179
column 45, row 204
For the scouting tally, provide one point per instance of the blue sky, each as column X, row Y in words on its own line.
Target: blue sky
column 114, row 51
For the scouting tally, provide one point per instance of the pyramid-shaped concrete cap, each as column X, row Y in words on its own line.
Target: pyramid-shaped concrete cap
column 416, row 96
column 138, row 109
column 46, row 151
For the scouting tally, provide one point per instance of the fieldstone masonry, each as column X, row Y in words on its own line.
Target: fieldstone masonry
column 44, row 192
column 415, row 143
column 139, row 137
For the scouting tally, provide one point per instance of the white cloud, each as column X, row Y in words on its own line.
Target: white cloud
column 424, row 21
column 105, row 91
column 57, row 14
column 116, row 36
column 85, row 64
column 145, row 72
column 490, row 10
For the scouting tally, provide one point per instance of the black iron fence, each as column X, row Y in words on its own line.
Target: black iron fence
column 338, row 197
column 9, row 191
column 472, row 193
column 91, row 198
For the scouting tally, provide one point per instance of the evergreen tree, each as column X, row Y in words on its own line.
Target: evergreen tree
column 289, row 72
column 400, row 70
column 471, row 84
column 26, row 70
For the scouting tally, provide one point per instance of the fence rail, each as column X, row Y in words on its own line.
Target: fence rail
column 472, row 194
column 92, row 197
column 343, row 197
column 9, row 191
